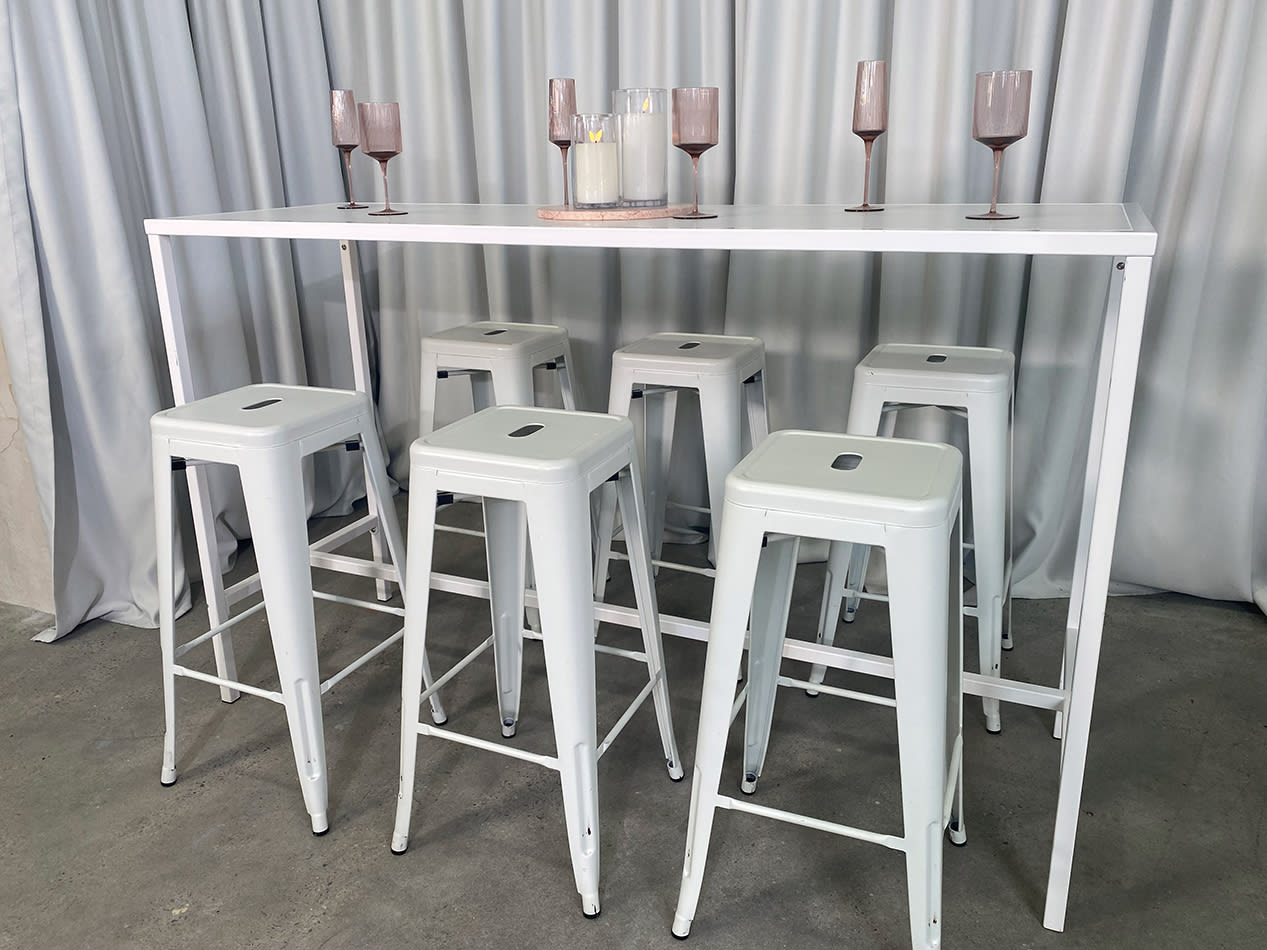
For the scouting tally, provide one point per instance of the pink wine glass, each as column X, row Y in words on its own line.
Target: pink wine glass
column 1000, row 116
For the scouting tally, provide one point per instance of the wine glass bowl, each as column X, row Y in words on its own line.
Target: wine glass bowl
column 380, row 140
column 870, row 116
column 1000, row 116
column 562, row 108
column 345, row 134
column 695, row 121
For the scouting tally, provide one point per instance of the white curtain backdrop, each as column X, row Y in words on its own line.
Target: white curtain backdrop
column 115, row 111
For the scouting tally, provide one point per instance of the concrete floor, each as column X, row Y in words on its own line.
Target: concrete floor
column 95, row 853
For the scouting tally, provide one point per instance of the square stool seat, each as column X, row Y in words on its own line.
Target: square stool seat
column 974, row 369
column 263, row 415
column 882, row 481
column 569, row 446
column 693, row 354
column 493, row 340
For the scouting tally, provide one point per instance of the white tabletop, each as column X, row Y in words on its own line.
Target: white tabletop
column 1076, row 229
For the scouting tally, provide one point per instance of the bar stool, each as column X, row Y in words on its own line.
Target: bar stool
column 535, row 466
column 728, row 373
column 904, row 496
column 267, row 431
column 498, row 358
column 976, row 382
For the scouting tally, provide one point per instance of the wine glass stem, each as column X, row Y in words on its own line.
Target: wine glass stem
column 866, row 172
column 994, row 198
column 387, row 201
column 695, row 163
column 347, row 161
column 563, row 149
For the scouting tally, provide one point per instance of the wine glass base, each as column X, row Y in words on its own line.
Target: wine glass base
column 992, row 216
column 389, row 211
column 351, row 206
column 694, row 216
column 865, row 207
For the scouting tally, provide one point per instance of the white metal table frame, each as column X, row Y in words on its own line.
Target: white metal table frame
column 1120, row 233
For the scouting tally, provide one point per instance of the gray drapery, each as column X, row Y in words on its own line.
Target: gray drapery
column 113, row 112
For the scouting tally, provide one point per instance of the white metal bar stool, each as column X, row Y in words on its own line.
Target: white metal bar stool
column 535, row 467
column 977, row 382
column 904, row 496
column 266, row 431
column 728, row 373
column 499, row 359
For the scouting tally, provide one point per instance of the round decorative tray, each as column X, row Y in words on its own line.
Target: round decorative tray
column 561, row 213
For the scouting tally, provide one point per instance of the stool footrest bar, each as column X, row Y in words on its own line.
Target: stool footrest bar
column 347, row 564
column 625, row 717
column 345, row 534
column 778, row 814
column 218, row 628
column 354, row 602
column 457, row 668
column 836, row 691
column 362, row 660
column 549, row 761
column 271, row 696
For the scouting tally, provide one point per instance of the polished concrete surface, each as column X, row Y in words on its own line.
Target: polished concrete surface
column 95, row 853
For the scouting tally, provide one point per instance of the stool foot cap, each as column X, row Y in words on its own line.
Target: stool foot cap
column 166, row 784
column 675, row 771
column 1007, row 641
column 749, row 784
column 396, row 853
column 442, row 721
column 509, row 726
column 400, row 844
column 167, row 777
column 681, row 928
column 812, row 693
column 320, row 824
column 958, row 837
column 590, row 908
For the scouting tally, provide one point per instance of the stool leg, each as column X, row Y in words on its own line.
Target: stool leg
column 732, row 596
column 163, row 527
column 719, row 406
column 422, row 525
column 838, row 560
column 867, row 412
column 618, row 404
column 427, row 380
column 634, row 517
column 758, row 414
column 771, row 602
column 918, row 597
column 376, row 475
column 954, row 682
column 558, row 521
column 569, row 387
column 511, row 385
column 504, row 530
column 279, row 531
column 987, row 460
column 659, row 422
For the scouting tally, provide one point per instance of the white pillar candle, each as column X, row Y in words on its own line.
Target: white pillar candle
column 644, row 146
column 597, row 173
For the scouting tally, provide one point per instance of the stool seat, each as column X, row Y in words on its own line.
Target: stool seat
column 493, row 340
column 694, row 354
column 260, row 416
column 975, row 369
column 884, row 481
column 564, row 446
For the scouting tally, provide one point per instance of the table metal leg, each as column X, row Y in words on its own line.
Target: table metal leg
column 1106, row 461
column 361, row 378
column 174, row 339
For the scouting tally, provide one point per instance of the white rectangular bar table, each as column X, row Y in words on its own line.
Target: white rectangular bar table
column 1119, row 233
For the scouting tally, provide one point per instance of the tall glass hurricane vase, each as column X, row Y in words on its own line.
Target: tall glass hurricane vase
column 1000, row 116
column 380, row 140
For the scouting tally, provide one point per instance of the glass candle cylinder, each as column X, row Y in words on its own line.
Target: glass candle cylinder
column 643, row 119
column 595, row 161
